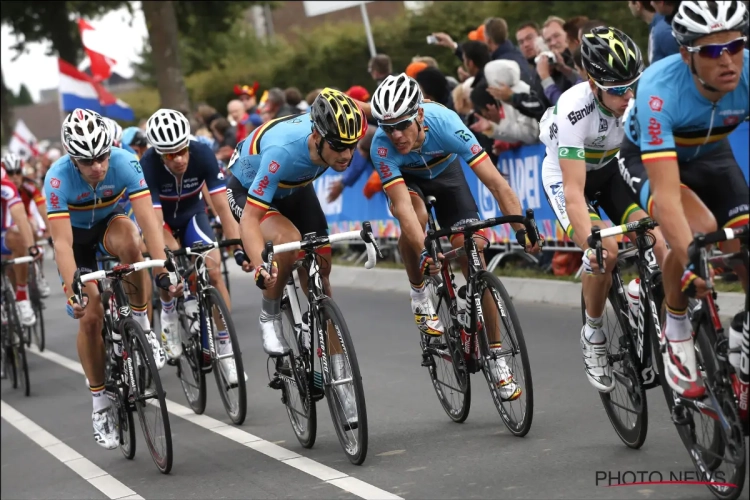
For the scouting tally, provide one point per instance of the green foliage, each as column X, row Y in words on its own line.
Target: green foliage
column 23, row 98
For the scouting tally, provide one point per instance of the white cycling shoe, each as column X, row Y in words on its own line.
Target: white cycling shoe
column 43, row 286
column 598, row 369
column 425, row 316
column 273, row 342
column 159, row 357
column 170, row 335
column 26, row 313
column 105, row 428
column 503, row 378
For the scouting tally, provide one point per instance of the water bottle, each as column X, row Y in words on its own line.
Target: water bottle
column 735, row 340
column 633, row 294
column 191, row 311
column 117, row 344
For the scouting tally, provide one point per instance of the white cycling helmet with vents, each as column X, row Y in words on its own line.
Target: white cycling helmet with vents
column 395, row 97
column 85, row 134
column 168, row 131
column 694, row 20
column 115, row 131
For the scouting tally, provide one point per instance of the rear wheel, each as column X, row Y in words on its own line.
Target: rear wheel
column 189, row 366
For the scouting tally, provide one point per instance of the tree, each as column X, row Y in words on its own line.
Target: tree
column 161, row 23
column 24, row 96
column 5, row 111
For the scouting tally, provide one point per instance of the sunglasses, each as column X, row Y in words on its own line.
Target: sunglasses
column 340, row 147
column 714, row 50
column 13, row 172
column 88, row 162
column 172, row 156
column 619, row 90
column 400, row 126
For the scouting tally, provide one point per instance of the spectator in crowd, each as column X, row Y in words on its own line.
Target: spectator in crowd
column 461, row 96
column 526, row 36
column 206, row 114
column 529, row 100
column 666, row 9
column 475, row 56
column 240, row 117
column 555, row 67
column 225, row 138
column 661, row 43
column 380, row 67
column 434, row 86
column 572, row 28
column 588, row 26
column 413, row 69
column 294, row 99
column 275, row 105
column 579, row 65
column 248, row 95
column 360, row 93
column 429, row 61
column 310, row 97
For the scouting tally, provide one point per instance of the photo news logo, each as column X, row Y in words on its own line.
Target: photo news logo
column 610, row 479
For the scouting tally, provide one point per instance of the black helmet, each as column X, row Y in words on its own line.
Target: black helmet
column 337, row 117
column 610, row 56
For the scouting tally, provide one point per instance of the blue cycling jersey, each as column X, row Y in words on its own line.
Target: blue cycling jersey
column 669, row 118
column 70, row 196
column 445, row 137
column 275, row 160
column 179, row 199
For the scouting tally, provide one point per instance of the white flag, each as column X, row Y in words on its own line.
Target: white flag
column 23, row 143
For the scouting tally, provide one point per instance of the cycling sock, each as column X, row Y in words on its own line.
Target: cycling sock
column 140, row 314
column 271, row 307
column 22, row 292
column 417, row 291
column 593, row 330
column 100, row 400
column 678, row 327
column 168, row 307
column 225, row 344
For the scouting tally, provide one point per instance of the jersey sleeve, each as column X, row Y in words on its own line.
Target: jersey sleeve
column 215, row 181
column 36, row 196
column 654, row 121
column 133, row 178
column 570, row 128
column 385, row 159
column 149, row 167
column 274, row 163
column 57, row 201
column 458, row 139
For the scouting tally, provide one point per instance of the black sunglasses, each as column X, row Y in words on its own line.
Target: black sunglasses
column 87, row 162
column 400, row 126
column 340, row 147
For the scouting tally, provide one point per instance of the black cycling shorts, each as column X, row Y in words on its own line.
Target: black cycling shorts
column 455, row 204
column 87, row 243
column 716, row 178
column 302, row 207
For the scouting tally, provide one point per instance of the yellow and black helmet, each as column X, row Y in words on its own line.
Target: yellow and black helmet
column 337, row 117
column 610, row 56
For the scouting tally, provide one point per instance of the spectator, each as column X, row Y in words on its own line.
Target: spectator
column 248, row 95
column 555, row 67
column 434, row 86
column 294, row 99
column 206, row 114
column 429, row 61
column 661, row 43
column 666, row 9
column 380, row 67
column 413, row 69
column 225, row 137
column 475, row 56
column 572, row 29
column 275, row 105
column 502, row 121
column 588, row 26
column 461, row 96
column 310, row 97
column 358, row 93
column 503, row 78
column 579, row 65
column 236, row 111
column 526, row 36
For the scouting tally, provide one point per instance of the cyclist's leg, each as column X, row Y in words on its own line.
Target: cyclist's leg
column 169, row 319
column 198, row 230
column 15, row 244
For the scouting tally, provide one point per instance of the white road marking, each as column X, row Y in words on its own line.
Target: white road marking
column 288, row 457
column 96, row 477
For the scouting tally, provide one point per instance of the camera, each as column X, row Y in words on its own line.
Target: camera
column 432, row 39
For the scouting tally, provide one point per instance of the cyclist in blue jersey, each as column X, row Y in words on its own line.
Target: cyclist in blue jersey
column 272, row 195
column 678, row 162
column 83, row 188
column 176, row 170
column 416, row 151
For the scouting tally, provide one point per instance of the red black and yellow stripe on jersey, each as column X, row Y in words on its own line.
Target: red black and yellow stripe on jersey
column 257, row 136
column 292, row 184
column 693, row 138
column 102, row 202
column 652, row 156
column 392, row 182
column 477, row 158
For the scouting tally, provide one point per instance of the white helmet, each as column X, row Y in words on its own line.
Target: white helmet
column 115, row 131
column 168, row 131
column 12, row 163
column 694, row 20
column 396, row 96
column 85, row 135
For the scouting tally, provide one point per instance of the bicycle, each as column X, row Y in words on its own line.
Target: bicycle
column 466, row 345
column 13, row 343
column 631, row 350
column 300, row 383
column 722, row 414
column 132, row 380
column 36, row 331
column 200, row 354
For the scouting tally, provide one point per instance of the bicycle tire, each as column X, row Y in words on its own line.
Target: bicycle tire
column 12, row 320
column 301, row 382
column 454, row 355
column 38, row 330
column 487, row 280
column 139, row 346
column 126, row 425
column 191, row 361
column 237, row 416
column 20, row 355
column 356, row 452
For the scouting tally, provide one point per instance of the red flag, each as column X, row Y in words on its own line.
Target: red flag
column 105, row 98
column 101, row 65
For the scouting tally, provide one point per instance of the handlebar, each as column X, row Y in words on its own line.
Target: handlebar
column 198, row 248
column 18, row 260
column 697, row 249
column 597, row 234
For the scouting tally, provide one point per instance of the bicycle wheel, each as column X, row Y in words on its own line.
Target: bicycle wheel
column 125, row 425
column 37, row 331
column 701, row 431
column 148, row 394
column 297, row 377
column 626, row 406
column 352, row 433
column 189, row 371
column 448, row 370
column 518, row 413
column 233, row 393
column 11, row 318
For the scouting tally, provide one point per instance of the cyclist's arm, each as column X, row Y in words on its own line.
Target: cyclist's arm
column 210, row 201
column 143, row 208
column 21, row 220
column 664, row 180
column 41, row 205
column 62, row 238
column 403, row 210
column 228, row 224
column 574, row 181
column 509, row 203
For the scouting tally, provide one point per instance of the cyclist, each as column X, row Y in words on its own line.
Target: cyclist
column 29, row 193
column 272, row 195
column 679, row 163
column 134, row 140
column 582, row 135
column 115, row 131
column 416, row 151
column 21, row 243
column 176, row 170
column 83, row 188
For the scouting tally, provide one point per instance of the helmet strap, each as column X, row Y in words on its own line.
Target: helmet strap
column 704, row 84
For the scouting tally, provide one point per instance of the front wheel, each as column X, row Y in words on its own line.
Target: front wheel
column 189, row 370
column 343, row 383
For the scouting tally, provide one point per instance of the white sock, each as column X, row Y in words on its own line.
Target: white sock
column 225, row 344
column 99, row 398
column 418, row 292
column 678, row 326
column 141, row 316
column 594, row 332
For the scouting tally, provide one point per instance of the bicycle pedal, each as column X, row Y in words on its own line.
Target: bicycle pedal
column 680, row 415
column 276, row 383
column 427, row 360
column 172, row 362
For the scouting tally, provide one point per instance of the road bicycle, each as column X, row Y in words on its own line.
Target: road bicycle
column 469, row 329
column 132, row 380
column 13, row 344
column 37, row 331
column 337, row 378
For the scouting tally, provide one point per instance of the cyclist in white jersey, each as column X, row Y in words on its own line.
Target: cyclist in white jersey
column 583, row 133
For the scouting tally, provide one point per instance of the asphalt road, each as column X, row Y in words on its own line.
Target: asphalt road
column 415, row 450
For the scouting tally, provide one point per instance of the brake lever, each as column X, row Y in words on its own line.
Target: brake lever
column 595, row 241
column 268, row 256
column 531, row 229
